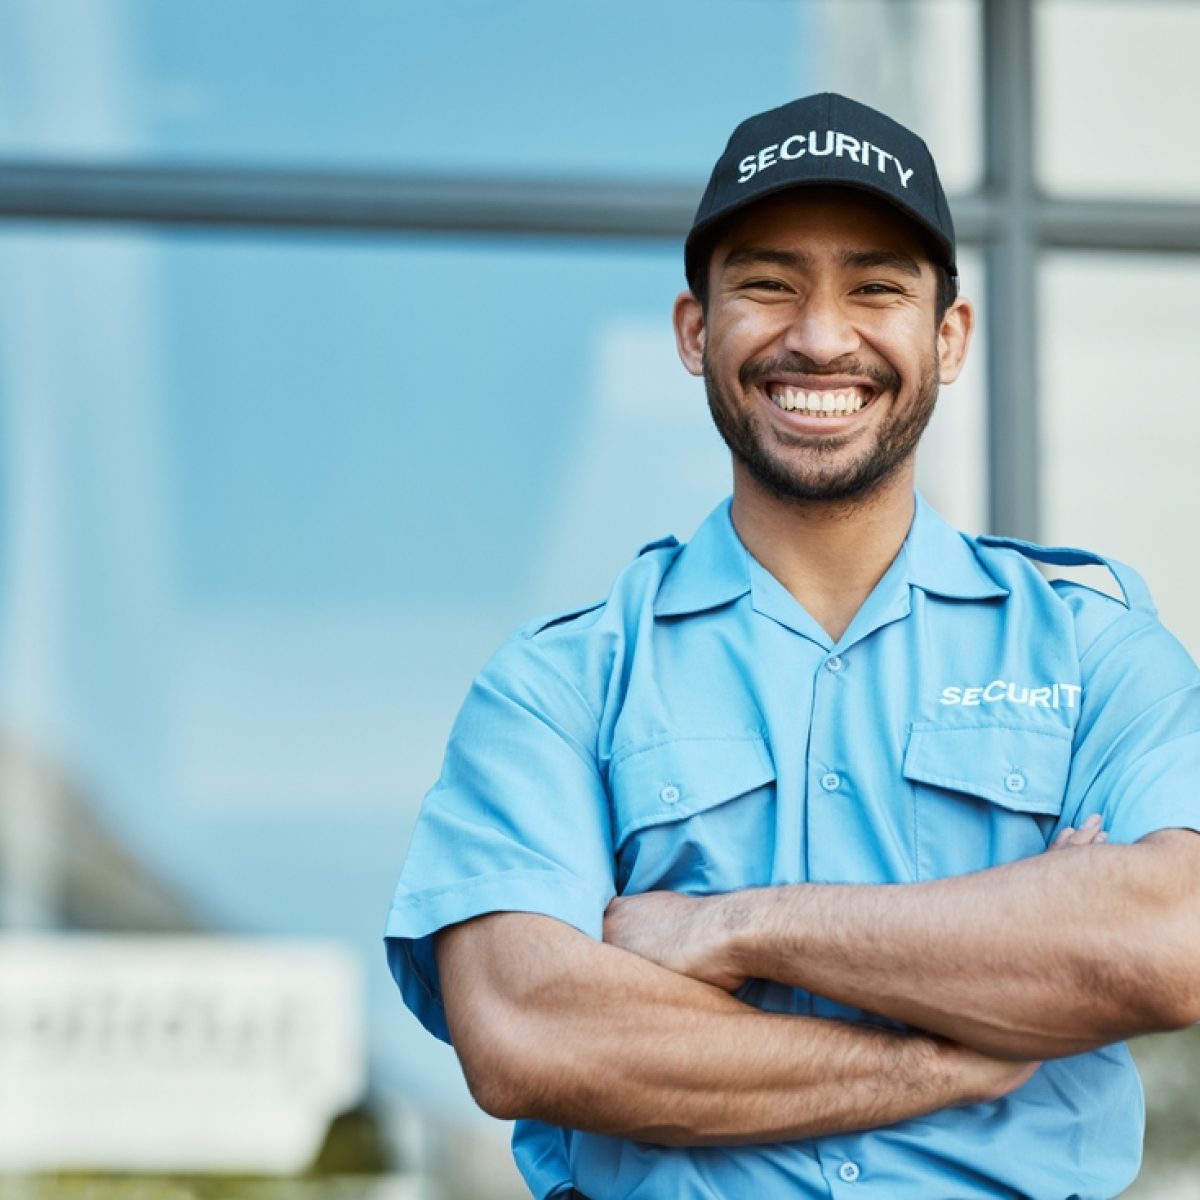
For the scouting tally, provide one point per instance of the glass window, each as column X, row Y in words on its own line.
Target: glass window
column 535, row 86
column 625, row 88
column 273, row 501
column 915, row 59
column 1116, row 89
column 1118, row 464
column 270, row 501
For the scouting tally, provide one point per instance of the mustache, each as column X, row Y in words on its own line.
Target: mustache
column 799, row 364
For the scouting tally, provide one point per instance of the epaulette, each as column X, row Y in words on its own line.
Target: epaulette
column 662, row 543
column 1134, row 592
column 541, row 624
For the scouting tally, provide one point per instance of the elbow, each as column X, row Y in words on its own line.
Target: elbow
column 496, row 1094
column 1180, row 978
column 1163, row 993
column 1178, row 1005
column 1163, row 945
column 502, row 1072
column 1176, row 973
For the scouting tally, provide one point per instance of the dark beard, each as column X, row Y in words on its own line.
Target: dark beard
column 895, row 445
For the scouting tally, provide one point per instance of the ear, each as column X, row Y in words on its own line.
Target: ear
column 689, row 332
column 954, row 336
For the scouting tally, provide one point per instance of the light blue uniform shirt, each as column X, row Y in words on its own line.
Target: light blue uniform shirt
column 700, row 732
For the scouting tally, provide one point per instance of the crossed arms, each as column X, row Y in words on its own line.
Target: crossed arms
column 638, row 1036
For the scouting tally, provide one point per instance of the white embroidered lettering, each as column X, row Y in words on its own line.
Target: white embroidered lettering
column 785, row 153
column 812, row 143
column 1003, row 691
column 826, row 142
column 848, row 146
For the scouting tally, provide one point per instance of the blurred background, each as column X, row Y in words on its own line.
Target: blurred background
column 334, row 342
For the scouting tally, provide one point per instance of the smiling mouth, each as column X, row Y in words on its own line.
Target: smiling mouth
column 840, row 403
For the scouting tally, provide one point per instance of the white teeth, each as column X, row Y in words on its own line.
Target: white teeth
column 846, row 401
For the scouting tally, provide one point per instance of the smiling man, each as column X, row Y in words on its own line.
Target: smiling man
column 836, row 852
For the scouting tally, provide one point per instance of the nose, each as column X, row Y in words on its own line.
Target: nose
column 820, row 328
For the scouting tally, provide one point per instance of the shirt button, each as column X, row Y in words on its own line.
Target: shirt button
column 1014, row 781
column 831, row 781
column 669, row 794
column 849, row 1171
column 834, row 663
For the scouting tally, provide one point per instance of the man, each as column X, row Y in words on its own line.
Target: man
column 889, row 841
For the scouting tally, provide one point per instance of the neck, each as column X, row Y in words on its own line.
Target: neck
column 828, row 554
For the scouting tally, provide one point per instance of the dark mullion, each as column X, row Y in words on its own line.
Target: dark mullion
column 401, row 203
column 1013, row 443
column 336, row 200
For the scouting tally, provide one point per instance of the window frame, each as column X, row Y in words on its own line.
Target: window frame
column 1007, row 218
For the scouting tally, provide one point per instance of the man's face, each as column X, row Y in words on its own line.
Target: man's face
column 819, row 347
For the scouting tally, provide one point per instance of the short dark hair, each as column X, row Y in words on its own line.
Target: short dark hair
column 947, row 291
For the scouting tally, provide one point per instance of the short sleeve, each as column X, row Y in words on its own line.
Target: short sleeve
column 518, row 821
column 1136, row 759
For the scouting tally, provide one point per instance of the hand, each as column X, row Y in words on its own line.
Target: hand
column 1089, row 833
column 685, row 934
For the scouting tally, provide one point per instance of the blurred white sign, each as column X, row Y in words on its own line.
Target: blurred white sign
column 181, row 1054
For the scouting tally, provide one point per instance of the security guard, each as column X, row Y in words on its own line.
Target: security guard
column 836, row 852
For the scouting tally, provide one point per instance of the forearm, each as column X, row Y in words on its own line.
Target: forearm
column 551, row 1025
column 1041, row 958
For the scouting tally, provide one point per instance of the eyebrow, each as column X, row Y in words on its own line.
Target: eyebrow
column 754, row 255
column 861, row 259
column 883, row 258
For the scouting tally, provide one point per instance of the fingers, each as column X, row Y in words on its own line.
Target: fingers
column 1089, row 833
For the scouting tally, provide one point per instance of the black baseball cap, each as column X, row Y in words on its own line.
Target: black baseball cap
column 827, row 140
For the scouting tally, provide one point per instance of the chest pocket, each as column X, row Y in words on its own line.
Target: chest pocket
column 694, row 814
column 984, row 794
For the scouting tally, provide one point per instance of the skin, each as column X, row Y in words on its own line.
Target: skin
column 972, row 957
column 817, row 290
column 638, row 1036
column 551, row 1025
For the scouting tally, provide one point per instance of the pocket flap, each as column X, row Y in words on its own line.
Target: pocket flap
column 1018, row 767
column 675, row 779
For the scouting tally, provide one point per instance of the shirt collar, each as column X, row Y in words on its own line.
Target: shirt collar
column 711, row 570
column 942, row 561
column 714, row 569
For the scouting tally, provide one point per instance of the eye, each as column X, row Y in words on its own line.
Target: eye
column 878, row 288
column 764, row 285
